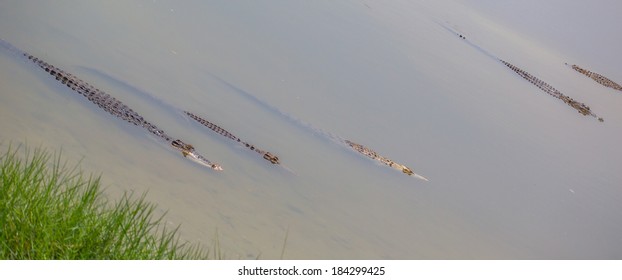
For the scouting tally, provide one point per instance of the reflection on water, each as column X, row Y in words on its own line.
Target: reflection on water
column 504, row 183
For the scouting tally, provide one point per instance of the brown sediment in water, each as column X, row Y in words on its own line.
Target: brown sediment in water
column 580, row 107
column 266, row 155
column 598, row 78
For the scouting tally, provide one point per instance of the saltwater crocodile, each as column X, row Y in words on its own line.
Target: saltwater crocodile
column 266, row 155
column 372, row 154
column 112, row 106
column 597, row 77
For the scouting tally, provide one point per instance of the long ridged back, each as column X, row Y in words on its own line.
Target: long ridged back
column 266, row 155
column 373, row 155
column 598, row 78
column 110, row 104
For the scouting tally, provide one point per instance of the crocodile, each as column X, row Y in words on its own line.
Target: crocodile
column 373, row 155
column 266, row 155
column 597, row 77
column 113, row 106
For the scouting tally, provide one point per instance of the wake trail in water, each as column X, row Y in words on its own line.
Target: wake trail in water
column 468, row 42
column 319, row 132
column 296, row 121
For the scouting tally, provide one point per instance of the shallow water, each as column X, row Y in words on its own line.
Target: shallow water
column 513, row 172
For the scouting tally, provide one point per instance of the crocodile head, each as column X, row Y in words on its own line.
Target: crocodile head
column 188, row 152
column 271, row 158
column 407, row 171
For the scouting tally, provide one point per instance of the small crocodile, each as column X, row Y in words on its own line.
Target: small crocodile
column 372, row 154
column 266, row 155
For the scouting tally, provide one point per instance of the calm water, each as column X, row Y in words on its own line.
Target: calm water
column 514, row 173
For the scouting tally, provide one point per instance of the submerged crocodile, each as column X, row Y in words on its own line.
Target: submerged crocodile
column 266, row 155
column 113, row 106
column 597, row 77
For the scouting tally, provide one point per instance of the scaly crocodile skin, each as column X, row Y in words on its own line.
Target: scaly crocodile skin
column 113, row 106
column 266, row 155
column 598, row 78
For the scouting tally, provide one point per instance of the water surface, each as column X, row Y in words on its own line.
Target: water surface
column 513, row 172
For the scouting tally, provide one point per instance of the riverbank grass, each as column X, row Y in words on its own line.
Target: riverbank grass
column 51, row 211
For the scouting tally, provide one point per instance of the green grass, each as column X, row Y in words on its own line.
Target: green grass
column 51, row 211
